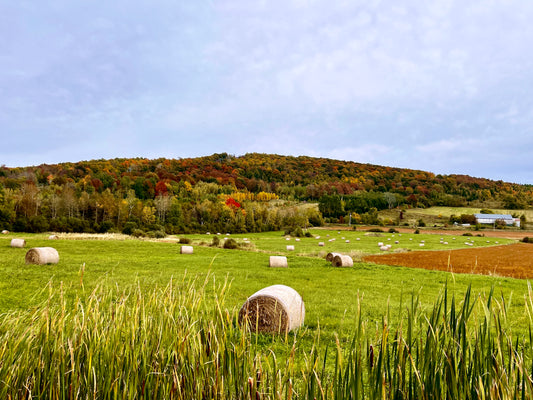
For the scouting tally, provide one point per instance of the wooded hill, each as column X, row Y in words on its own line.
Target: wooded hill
column 224, row 192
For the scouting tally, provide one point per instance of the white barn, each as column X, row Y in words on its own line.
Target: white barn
column 492, row 218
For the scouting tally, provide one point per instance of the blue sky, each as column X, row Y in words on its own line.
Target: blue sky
column 443, row 86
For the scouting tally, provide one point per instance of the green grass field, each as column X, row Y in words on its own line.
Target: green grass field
column 329, row 293
column 79, row 310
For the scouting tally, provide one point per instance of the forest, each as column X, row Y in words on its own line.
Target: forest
column 225, row 193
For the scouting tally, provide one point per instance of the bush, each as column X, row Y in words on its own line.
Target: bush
column 129, row 227
column 417, row 232
column 392, row 230
column 467, row 234
column 184, row 240
column 138, row 233
column 230, row 244
column 376, row 230
column 421, row 222
column 527, row 240
column 308, row 234
column 157, row 234
column 106, row 226
column 216, row 241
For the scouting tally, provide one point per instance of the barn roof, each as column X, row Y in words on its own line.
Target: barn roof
column 493, row 216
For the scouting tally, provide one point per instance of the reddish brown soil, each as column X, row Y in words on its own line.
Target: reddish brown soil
column 515, row 260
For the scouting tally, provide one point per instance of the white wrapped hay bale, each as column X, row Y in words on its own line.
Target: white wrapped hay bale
column 186, row 250
column 5, row 232
column 52, row 237
column 278, row 262
column 331, row 256
column 274, row 309
column 18, row 243
column 342, row 261
column 321, row 244
column 42, row 255
column 290, row 248
column 384, row 248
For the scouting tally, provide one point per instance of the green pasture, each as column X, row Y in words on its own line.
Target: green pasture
column 330, row 294
column 130, row 318
column 360, row 242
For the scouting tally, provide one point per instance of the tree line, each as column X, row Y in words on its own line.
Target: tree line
column 184, row 195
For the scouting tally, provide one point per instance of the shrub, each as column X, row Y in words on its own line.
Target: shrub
column 138, row 233
column 392, row 230
column 157, row 234
column 230, row 244
column 106, row 226
column 308, row 234
column 527, row 240
column 376, row 230
column 421, row 222
column 129, row 227
column 216, row 241
column 184, row 240
column 467, row 234
column 417, row 232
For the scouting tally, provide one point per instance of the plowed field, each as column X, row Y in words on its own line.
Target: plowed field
column 515, row 260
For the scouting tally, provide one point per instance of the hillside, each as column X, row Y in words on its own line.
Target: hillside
column 192, row 193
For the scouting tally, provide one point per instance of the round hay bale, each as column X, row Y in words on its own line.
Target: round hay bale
column 384, row 248
column 278, row 262
column 290, row 248
column 42, row 255
column 18, row 243
column 274, row 309
column 347, row 240
column 331, row 256
column 297, row 239
column 5, row 232
column 321, row 244
column 52, row 237
column 186, row 250
column 342, row 261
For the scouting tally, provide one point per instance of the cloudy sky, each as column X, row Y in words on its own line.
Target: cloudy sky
column 443, row 86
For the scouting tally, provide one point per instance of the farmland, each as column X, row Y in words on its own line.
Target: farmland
column 339, row 301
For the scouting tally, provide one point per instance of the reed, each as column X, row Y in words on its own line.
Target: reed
column 176, row 343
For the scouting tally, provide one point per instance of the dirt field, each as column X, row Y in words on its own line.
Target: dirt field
column 515, row 260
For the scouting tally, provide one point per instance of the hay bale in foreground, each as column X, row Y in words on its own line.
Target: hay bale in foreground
column 274, row 309
column 331, row 256
column 278, row 262
column 18, row 243
column 42, row 255
column 342, row 261
column 186, row 250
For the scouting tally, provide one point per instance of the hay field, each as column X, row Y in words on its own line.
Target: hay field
column 330, row 294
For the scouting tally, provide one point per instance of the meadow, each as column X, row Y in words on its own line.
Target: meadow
column 208, row 287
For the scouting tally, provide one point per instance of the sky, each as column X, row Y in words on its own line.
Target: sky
column 442, row 86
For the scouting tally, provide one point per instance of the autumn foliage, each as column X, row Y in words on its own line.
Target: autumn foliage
column 196, row 194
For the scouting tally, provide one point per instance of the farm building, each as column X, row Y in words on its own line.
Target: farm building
column 492, row 218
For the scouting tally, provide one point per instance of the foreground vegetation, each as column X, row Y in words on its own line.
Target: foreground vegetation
column 129, row 318
column 171, row 343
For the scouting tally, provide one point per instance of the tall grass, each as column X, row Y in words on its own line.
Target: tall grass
column 181, row 342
